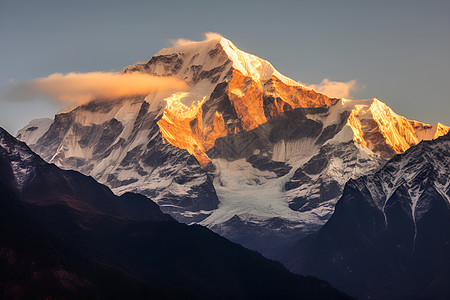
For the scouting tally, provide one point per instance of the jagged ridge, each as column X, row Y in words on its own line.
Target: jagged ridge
column 389, row 235
column 265, row 147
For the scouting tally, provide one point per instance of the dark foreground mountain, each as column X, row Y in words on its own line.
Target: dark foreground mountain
column 63, row 235
column 389, row 237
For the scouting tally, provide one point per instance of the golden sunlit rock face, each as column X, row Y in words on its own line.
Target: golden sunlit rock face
column 253, row 101
column 373, row 123
column 288, row 97
column 246, row 96
column 182, row 127
column 240, row 91
column 256, row 102
column 377, row 127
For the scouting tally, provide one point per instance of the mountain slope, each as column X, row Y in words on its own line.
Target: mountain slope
column 63, row 235
column 43, row 184
column 244, row 149
column 389, row 236
column 34, row 130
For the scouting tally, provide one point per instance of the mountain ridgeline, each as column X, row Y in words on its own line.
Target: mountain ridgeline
column 345, row 190
column 63, row 235
column 245, row 151
column 389, row 237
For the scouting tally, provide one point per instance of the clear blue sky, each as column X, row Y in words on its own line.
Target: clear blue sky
column 398, row 50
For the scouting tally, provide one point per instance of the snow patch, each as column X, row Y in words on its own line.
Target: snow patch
column 250, row 193
column 32, row 132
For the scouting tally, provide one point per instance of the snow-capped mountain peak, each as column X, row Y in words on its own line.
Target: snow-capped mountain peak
column 238, row 92
column 376, row 126
column 252, row 66
column 213, row 53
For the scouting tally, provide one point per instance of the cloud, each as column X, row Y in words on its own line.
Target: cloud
column 77, row 88
column 335, row 89
column 208, row 37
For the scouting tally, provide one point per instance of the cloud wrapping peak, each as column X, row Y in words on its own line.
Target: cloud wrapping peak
column 78, row 88
column 334, row 89
column 208, row 37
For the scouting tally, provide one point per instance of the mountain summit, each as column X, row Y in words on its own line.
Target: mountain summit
column 245, row 151
column 230, row 91
column 256, row 92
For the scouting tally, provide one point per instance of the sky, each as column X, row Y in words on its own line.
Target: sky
column 396, row 51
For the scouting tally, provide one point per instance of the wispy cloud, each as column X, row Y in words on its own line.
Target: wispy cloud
column 77, row 88
column 208, row 37
column 335, row 89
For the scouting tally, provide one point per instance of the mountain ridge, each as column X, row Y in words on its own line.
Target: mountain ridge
column 388, row 237
column 64, row 235
column 205, row 155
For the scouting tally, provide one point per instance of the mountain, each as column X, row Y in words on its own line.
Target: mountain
column 389, row 237
column 245, row 151
column 42, row 184
column 63, row 235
